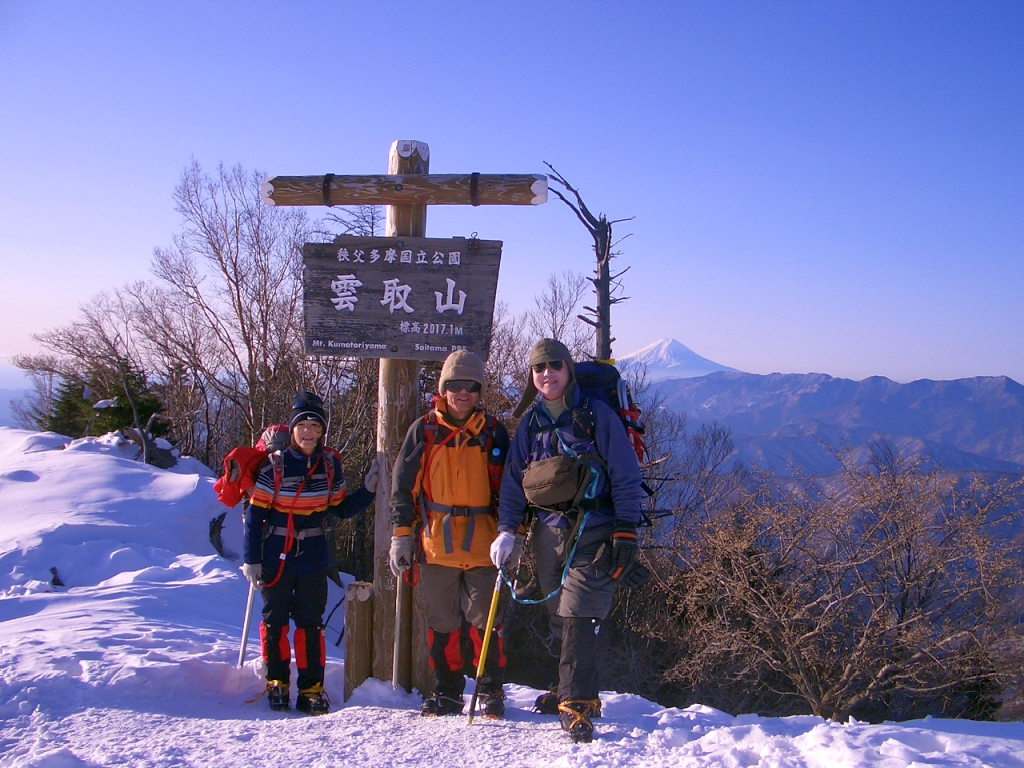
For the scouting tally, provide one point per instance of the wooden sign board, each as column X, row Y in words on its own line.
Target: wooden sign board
column 413, row 298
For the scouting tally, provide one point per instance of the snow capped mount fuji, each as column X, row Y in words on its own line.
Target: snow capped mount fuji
column 668, row 359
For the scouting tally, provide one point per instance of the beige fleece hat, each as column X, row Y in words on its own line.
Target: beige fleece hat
column 544, row 351
column 463, row 365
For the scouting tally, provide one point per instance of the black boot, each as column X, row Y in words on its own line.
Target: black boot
column 575, row 719
column 439, row 704
column 494, row 704
column 277, row 695
column 313, row 700
column 547, row 703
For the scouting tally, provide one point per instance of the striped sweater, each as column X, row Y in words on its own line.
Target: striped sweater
column 305, row 498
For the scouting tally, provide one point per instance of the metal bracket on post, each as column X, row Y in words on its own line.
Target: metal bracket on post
column 474, row 189
column 326, row 189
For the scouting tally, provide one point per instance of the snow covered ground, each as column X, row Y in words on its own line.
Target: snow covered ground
column 132, row 661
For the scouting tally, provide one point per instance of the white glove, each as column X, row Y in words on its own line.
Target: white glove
column 253, row 571
column 400, row 557
column 372, row 475
column 502, row 547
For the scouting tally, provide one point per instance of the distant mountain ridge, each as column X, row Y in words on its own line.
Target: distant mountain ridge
column 783, row 422
column 668, row 359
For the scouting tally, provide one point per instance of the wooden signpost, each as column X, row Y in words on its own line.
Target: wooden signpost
column 409, row 298
column 406, row 190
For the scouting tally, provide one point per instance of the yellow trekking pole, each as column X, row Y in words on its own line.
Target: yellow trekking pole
column 491, row 614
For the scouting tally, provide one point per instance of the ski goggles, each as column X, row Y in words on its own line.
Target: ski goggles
column 462, row 385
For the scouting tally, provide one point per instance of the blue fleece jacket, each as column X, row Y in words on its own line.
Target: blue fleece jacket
column 618, row 491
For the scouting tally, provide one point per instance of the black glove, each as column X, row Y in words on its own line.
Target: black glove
column 624, row 547
column 635, row 577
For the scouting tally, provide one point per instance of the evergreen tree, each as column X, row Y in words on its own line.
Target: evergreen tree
column 108, row 384
column 71, row 410
column 73, row 413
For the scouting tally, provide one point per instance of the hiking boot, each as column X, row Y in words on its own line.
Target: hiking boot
column 494, row 705
column 439, row 704
column 575, row 718
column 547, row 703
column 277, row 695
column 313, row 700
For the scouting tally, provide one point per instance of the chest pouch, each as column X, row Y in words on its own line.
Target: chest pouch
column 557, row 484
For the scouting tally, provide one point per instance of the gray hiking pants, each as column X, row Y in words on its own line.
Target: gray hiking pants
column 588, row 589
column 451, row 593
column 585, row 601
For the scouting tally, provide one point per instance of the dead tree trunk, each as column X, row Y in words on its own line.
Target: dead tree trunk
column 605, row 283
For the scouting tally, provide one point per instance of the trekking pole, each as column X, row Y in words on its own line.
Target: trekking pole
column 399, row 604
column 491, row 614
column 245, row 625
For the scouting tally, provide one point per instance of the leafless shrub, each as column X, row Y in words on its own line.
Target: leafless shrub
column 887, row 598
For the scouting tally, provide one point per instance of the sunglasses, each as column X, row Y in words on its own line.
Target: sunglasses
column 554, row 365
column 460, row 385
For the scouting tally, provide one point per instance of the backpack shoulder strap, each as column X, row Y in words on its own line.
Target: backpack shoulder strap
column 490, row 429
column 430, row 427
column 277, row 464
column 495, row 461
column 583, row 425
column 329, row 456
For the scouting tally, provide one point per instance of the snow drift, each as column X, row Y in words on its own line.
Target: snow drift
column 131, row 662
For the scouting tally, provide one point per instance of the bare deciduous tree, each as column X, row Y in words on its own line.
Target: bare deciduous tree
column 554, row 314
column 360, row 220
column 103, row 341
column 886, row 597
column 227, row 308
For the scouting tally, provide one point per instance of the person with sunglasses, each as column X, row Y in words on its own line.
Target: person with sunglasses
column 584, row 544
column 445, row 481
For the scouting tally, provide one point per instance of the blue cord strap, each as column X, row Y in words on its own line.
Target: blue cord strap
column 565, row 570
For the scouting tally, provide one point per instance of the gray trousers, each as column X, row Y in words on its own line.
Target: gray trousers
column 588, row 589
column 451, row 593
column 585, row 601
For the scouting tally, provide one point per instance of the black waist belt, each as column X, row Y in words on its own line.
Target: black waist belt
column 587, row 505
column 446, row 524
column 302, row 533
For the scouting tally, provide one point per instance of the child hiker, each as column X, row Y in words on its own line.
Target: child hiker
column 286, row 553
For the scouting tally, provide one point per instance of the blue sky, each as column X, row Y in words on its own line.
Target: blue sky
column 818, row 186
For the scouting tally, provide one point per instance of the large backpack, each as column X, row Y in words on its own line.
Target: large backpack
column 242, row 465
column 602, row 381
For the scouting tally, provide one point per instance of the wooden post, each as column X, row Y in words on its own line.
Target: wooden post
column 358, row 635
column 397, row 408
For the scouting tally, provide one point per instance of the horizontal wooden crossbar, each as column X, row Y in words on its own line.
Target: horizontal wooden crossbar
column 425, row 189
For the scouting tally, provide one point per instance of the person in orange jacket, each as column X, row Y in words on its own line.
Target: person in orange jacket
column 446, row 480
